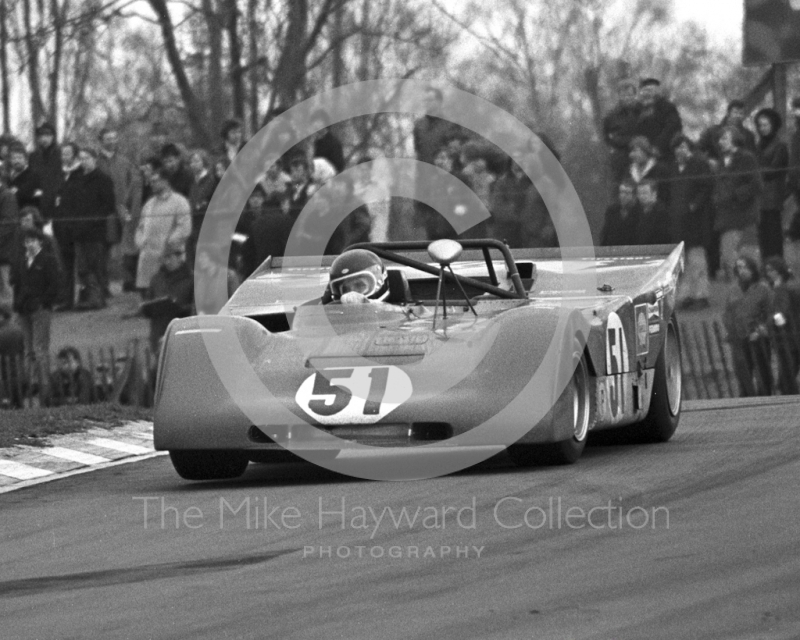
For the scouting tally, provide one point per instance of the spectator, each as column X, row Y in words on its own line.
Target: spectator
column 179, row 176
column 326, row 144
column 45, row 162
column 12, row 347
column 621, row 220
column 270, row 229
column 128, row 196
column 785, row 323
column 691, row 186
column 68, row 210
column 302, row 187
column 481, row 167
column 748, row 311
column 242, row 257
column 619, row 126
column 659, row 119
column 653, row 226
column 645, row 164
column 172, row 283
column 221, row 164
column 773, row 158
column 166, row 220
column 357, row 224
column 23, row 181
column 35, row 281
column 734, row 117
column 30, row 218
column 71, row 383
column 7, row 142
column 208, row 265
column 793, row 182
column 96, row 205
column 232, row 133
column 9, row 215
column 737, row 188
column 202, row 190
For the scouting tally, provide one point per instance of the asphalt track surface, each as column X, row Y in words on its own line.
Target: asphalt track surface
column 78, row 562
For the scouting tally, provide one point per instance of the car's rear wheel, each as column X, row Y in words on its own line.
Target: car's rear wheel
column 665, row 404
column 580, row 399
column 209, row 465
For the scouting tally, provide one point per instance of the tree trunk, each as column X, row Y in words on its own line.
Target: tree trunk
column 32, row 47
column 235, row 46
column 194, row 110
column 58, row 15
column 290, row 72
column 252, row 62
column 216, row 97
column 4, row 66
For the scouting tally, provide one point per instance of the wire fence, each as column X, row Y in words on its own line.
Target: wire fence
column 128, row 376
column 104, row 374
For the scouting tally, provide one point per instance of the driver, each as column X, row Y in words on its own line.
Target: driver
column 357, row 276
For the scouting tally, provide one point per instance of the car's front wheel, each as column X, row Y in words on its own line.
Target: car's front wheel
column 209, row 465
column 580, row 399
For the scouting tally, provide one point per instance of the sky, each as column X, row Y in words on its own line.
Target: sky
column 721, row 18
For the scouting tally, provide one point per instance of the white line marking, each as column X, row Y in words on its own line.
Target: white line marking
column 74, row 456
column 133, row 449
column 21, row 471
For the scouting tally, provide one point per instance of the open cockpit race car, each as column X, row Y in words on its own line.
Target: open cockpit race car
column 461, row 337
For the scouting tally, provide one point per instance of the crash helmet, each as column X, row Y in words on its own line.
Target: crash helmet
column 359, row 271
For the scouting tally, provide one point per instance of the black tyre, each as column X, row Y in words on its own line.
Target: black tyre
column 665, row 404
column 581, row 398
column 209, row 465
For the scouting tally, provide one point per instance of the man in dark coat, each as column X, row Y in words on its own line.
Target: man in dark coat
column 68, row 211
column 327, row 145
column 773, row 158
column 621, row 220
column 23, row 181
column 737, row 190
column 659, row 119
column 173, row 281
column 97, row 204
column 793, row 183
column 653, row 216
column 232, row 134
column 708, row 143
column 45, row 161
column 179, row 176
column 691, row 213
column 619, row 126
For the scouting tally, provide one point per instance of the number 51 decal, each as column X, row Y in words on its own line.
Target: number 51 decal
column 353, row 395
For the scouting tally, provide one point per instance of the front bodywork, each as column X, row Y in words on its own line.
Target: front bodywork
column 381, row 374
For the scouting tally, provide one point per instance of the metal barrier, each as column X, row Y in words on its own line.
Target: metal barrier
column 104, row 375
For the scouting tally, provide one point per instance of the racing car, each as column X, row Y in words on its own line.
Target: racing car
column 460, row 334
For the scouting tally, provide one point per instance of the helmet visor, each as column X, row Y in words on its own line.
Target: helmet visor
column 363, row 282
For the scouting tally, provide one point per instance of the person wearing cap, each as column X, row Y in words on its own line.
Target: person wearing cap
column 773, row 158
column 166, row 220
column 619, row 126
column 45, row 161
column 97, row 203
column 173, row 281
column 127, row 180
column 737, row 190
column 659, row 119
column 35, row 279
column 232, row 134
column 179, row 176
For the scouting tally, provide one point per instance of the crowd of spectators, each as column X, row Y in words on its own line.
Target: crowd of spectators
column 68, row 211
column 724, row 196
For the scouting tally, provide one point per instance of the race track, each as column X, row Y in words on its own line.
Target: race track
column 692, row 539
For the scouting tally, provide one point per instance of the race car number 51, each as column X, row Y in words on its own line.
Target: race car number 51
column 353, row 395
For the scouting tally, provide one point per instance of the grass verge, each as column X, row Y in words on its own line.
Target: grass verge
column 33, row 426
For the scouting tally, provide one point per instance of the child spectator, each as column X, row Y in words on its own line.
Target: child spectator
column 644, row 163
column 622, row 218
column 653, row 216
column 734, row 117
column 35, row 281
column 785, row 323
column 170, row 294
column 71, row 382
column 748, row 313
column 208, row 265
